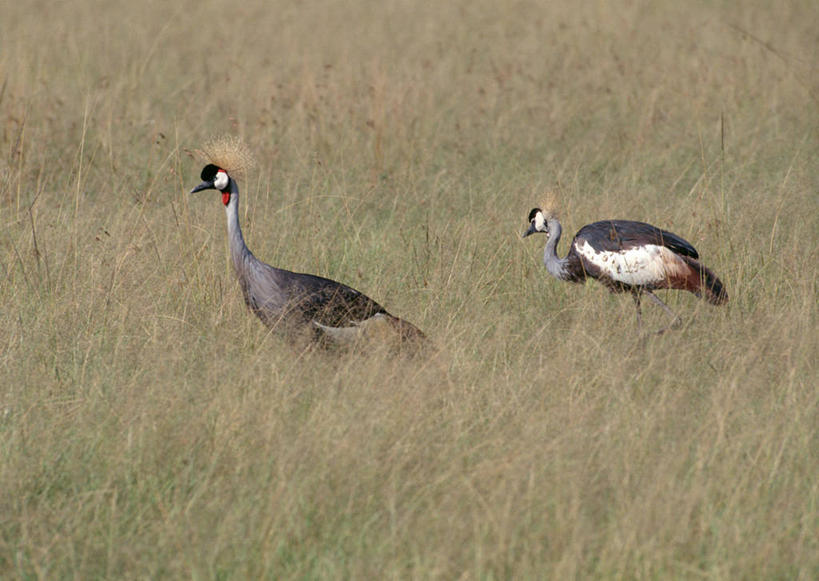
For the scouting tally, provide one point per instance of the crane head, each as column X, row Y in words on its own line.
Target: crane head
column 215, row 178
column 537, row 222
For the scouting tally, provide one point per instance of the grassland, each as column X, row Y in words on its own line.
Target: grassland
column 151, row 428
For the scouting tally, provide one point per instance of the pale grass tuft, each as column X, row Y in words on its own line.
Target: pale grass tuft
column 228, row 152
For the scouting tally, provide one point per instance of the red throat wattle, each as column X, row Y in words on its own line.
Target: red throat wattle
column 225, row 198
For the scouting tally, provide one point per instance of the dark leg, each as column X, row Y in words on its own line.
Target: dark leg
column 636, row 296
column 676, row 320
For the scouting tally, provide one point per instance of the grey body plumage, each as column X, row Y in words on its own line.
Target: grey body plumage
column 297, row 302
column 628, row 256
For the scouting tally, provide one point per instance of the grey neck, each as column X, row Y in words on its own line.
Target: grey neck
column 239, row 252
column 557, row 267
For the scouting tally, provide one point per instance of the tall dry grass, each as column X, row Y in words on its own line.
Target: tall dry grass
column 150, row 427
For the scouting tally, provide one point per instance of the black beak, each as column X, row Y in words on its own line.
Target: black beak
column 203, row 186
column 531, row 230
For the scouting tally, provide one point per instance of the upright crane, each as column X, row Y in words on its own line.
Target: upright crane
column 293, row 301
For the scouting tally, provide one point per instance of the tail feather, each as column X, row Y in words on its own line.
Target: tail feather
column 715, row 292
column 704, row 283
column 411, row 339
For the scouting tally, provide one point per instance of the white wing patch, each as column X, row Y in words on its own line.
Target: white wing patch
column 359, row 330
column 642, row 265
column 340, row 334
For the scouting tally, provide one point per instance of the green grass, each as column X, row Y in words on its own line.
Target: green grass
column 151, row 428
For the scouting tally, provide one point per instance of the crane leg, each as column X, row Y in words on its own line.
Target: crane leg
column 636, row 297
column 676, row 321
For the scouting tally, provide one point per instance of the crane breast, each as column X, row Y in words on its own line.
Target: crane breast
column 640, row 265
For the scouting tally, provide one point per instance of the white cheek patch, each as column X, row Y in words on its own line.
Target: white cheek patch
column 221, row 180
column 636, row 266
column 540, row 222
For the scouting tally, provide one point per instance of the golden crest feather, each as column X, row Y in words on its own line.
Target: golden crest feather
column 549, row 204
column 229, row 153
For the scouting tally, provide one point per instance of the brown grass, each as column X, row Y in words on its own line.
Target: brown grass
column 151, row 428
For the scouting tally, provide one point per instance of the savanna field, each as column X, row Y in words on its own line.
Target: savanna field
column 150, row 427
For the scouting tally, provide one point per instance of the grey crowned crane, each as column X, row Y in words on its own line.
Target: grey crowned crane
column 628, row 256
column 299, row 304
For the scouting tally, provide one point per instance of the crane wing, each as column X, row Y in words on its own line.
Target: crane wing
column 330, row 303
column 620, row 235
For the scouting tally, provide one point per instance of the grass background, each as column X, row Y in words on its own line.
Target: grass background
column 150, row 427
